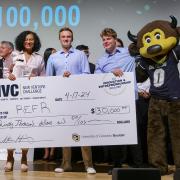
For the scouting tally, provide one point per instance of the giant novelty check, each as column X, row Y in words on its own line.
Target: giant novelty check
column 80, row 110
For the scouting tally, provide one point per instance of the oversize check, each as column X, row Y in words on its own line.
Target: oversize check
column 76, row 111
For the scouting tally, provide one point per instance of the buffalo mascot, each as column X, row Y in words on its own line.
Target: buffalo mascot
column 158, row 53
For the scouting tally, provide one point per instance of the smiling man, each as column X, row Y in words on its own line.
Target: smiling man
column 117, row 60
column 66, row 62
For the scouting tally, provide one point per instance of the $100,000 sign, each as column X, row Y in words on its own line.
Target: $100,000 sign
column 76, row 111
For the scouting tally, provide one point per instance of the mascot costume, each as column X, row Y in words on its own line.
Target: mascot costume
column 158, row 52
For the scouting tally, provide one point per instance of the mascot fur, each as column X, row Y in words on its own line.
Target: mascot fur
column 157, row 53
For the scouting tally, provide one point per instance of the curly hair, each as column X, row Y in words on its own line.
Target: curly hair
column 19, row 41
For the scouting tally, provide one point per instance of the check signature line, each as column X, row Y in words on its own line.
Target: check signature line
column 28, row 141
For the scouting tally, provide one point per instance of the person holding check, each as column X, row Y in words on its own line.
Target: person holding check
column 117, row 60
column 67, row 62
column 27, row 63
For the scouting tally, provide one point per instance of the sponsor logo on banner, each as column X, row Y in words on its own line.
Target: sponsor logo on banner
column 115, row 85
column 9, row 90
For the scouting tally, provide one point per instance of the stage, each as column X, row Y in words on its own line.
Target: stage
column 40, row 170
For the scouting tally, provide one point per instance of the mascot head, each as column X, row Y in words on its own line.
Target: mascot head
column 155, row 40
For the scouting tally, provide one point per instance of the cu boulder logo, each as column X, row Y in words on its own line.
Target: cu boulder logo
column 76, row 137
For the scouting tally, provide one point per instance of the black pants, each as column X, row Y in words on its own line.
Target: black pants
column 120, row 154
column 142, row 106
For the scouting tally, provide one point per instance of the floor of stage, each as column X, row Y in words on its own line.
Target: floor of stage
column 41, row 170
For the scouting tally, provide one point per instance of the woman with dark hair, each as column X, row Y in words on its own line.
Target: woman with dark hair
column 48, row 152
column 47, row 53
column 27, row 63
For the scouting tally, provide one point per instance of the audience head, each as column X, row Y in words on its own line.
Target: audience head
column 119, row 43
column 47, row 53
column 83, row 48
